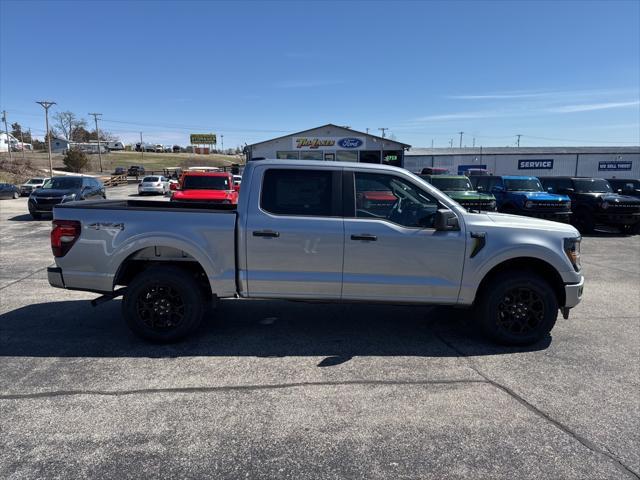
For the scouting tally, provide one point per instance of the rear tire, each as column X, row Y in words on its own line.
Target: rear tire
column 163, row 304
column 518, row 309
column 16, row 195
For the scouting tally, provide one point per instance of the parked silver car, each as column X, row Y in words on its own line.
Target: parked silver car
column 156, row 184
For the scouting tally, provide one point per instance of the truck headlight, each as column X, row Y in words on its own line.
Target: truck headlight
column 68, row 198
column 528, row 204
column 492, row 205
column 569, row 205
column 572, row 250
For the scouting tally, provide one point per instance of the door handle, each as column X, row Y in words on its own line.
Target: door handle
column 266, row 233
column 365, row 236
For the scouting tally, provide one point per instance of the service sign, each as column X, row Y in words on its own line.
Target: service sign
column 328, row 143
column 203, row 138
column 602, row 166
column 541, row 164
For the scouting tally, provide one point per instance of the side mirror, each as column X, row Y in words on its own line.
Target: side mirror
column 173, row 186
column 550, row 189
column 479, row 188
column 446, row 220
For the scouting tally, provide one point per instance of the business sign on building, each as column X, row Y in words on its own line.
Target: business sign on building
column 319, row 143
column 538, row 164
column 203, row 138
column 602, row 166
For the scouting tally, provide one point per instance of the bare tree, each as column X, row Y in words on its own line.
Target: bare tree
column 67, row 122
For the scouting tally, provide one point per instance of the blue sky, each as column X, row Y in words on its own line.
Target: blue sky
column 557, row 73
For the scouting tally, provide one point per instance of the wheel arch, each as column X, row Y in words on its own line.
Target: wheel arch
column 520, row 264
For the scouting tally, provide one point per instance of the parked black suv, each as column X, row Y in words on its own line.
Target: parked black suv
column 61, row 190
column 625, row 186
column 595, row 203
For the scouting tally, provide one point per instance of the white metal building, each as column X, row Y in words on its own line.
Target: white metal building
column 604, row 162
column 330, row 142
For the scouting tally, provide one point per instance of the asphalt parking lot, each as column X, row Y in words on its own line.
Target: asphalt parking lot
column 289, row 390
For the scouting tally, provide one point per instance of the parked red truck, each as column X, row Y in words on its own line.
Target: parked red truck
column 214, row 187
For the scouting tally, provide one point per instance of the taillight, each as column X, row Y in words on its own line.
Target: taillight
column 63, row 235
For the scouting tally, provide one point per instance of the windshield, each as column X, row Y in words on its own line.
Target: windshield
column 523, row 185
column 63, row 183
column 592, row 185
column 35, row 180
column 150, row 179
column 205, row 183
column 452, row 184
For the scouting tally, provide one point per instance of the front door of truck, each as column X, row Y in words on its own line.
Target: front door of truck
column 392, row 250
column 295, row 234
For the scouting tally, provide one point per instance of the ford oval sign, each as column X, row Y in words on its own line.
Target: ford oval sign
column 350, row 142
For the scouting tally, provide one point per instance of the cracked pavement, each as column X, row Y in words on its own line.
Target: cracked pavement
column 317, row 391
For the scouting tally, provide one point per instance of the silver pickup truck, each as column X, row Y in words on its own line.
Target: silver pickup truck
column 319, row 231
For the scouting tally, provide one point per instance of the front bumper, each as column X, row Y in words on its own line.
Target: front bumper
column 54, row 275
column 35, row 207
column 573, row 293
column 618, row 218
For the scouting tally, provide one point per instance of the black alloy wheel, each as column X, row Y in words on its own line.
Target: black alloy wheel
column 164, row 304
column 517, row 308
column 160, row 307
column 521, row 311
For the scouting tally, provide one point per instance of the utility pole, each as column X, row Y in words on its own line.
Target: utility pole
column 432, row 143
column 518, row 141
column 383, row 129
column 222, row 143
column 22, row 140
column 46, row 105
column 6, row 131
column 367, row 130
column 461, row 133
column 451, row 143
column 95, row 117
column 141, row 147
column 474, row 142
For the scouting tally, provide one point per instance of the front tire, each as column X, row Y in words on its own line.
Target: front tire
column 518, row 309
column 163, row 304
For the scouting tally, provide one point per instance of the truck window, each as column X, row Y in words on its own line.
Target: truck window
column 391, row 198
column 297, row 192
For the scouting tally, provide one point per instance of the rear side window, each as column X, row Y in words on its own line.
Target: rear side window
column 297, row 192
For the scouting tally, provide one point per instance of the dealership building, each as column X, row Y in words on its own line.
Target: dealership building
column 607, row 162
column 331, row 143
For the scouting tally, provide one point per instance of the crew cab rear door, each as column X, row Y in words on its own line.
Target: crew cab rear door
column 392, row 252
column 295, row 234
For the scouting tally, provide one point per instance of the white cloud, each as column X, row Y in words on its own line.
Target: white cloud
column 588, row 107
column 463, row 116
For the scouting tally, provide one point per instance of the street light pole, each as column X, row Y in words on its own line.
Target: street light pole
column 461, row 133
column 46, row 105
column 6, row 131
column 95, row 117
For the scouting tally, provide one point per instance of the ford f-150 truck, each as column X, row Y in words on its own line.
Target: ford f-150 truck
column 298, row 233
column 525, row 196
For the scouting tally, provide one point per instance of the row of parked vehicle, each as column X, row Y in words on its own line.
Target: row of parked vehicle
column 583, row 202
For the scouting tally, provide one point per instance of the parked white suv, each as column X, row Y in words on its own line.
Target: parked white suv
column 32, row 184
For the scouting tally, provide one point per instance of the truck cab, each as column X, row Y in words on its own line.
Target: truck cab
column 523, row 195
column 459, row 188
column 595, row 203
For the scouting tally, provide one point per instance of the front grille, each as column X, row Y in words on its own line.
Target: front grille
column 557, row 205
column 48, row 200
column 476, row 205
